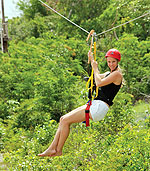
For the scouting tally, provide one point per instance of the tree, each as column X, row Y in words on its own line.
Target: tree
column 31, row 7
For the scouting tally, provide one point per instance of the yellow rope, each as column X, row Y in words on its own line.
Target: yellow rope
column 91, row 78
column 95, row 60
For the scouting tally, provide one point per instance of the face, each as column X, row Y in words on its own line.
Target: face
column 112, row 63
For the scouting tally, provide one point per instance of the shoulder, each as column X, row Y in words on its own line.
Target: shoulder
column 117, row 77
column 117, row 74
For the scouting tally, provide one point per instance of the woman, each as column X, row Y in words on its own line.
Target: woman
column 109, row 84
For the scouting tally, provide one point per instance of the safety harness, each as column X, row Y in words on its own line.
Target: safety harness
column 90, row 83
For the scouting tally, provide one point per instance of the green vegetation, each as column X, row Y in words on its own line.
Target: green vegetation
column 142, row 110
column 41, row 79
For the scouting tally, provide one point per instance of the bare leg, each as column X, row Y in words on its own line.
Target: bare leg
column 52, row 148
column 75, row 116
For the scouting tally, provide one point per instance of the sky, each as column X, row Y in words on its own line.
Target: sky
column 10, row 9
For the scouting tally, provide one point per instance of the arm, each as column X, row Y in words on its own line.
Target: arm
column 114, row 77
column 94, row 65
column 104, row 74
column 90, row 55
column 100, row 79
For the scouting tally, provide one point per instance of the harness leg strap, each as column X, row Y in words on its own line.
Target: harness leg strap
column 87, row 116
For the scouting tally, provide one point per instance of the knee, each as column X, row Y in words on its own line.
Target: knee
column 64, row 120
column 61, row 119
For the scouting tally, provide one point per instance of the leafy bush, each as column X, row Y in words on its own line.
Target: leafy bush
column 43, row 77
column 85, row 149
column 134, row 62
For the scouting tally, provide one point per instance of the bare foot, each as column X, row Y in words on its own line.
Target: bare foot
column 47, row 152
column 57, row 154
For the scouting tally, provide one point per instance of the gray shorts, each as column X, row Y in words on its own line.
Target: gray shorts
column 98, row 110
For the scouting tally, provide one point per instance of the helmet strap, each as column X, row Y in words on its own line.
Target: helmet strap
column 115, row 68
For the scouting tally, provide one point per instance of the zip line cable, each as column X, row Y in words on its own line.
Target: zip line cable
column 123, row 24
column 86, row 30
column 64, row 17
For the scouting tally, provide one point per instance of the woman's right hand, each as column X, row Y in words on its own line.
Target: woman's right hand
column 90, row 56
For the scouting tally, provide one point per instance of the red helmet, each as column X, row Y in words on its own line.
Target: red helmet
column 114, row 53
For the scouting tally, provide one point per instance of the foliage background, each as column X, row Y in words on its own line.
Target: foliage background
column 41, row 79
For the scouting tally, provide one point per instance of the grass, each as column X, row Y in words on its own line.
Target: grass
column 2, row 164
column 142, row 110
